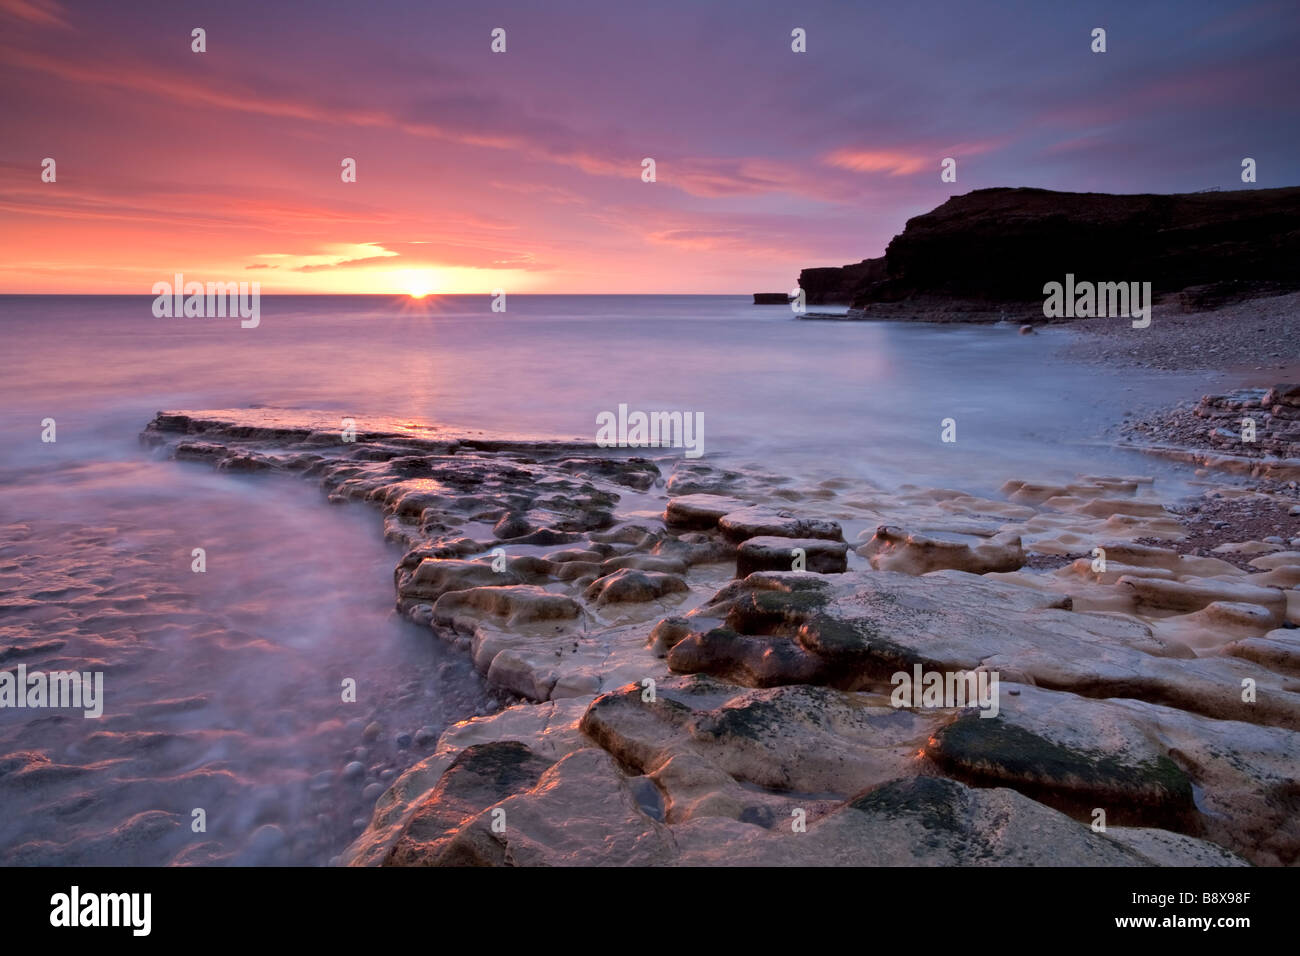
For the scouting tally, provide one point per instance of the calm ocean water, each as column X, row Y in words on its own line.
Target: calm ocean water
column 221, row 688
column 859, row 398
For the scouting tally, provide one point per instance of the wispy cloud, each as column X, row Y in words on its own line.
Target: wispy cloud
column 907, row 161
column 45, row 13
column 893, row 162
column 474, row 166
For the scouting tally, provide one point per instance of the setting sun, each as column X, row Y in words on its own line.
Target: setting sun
column 418, row 284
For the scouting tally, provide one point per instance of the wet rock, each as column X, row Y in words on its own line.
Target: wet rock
column 694, row 548
column 1195, row 595
column 590, row 556
column 699, row 512
column 517, row 605
column 1283, row 395
column 549, row 729
column 637, row 535
column 1277, row 650
column 1241, row 774
column 512, row 526
column 1106, row 507
column 432, row 578
column 665, row 635
column 893, row 549
column 1031, row 493
column 478, row 778
column 1172, row 849
column 1150, row 556
column 925, row 821
column 758, row 661
column 856, row 629
column 768, row 553
column 921, row 821
column 644, row 562
column 603, row 822
column 638, row 473
column 1084, row 568
column 631, row 586
column 198, row 451
column 499, row 804
column 758, row 521
column 550, row 536
column 444, row 548
column 530, row 569
column 1131, row 778
column 581, row 572
column 1285, row 576
column 691, row 478
column 803, row 739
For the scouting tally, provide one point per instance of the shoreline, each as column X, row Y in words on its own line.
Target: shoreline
column 1252, row 339
column 1213, row 340
column 599, row 593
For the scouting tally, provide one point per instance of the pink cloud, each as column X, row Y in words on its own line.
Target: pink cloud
column 45, row 13
column 907, row 162
column 893, row 162
column 709, row 177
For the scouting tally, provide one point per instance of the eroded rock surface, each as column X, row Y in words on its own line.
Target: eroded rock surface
column 679, row 693
column 918, row 552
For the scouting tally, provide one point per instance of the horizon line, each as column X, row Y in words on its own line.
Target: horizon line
column 386, row 295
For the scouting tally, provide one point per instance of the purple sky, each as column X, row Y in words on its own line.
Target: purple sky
column 522, row 170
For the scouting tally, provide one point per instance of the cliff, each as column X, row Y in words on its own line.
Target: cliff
column 840, row 284
column 1002, row 245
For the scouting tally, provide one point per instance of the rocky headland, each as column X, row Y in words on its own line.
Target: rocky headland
column 987, row 254
column 699, row 659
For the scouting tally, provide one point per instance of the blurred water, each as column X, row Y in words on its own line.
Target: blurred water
column 223, row 688
column 867, row 398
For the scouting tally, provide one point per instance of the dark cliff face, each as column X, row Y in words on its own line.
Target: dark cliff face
column 1002, row 245
column 840, row 284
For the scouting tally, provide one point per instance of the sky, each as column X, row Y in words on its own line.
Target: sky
column 523, row 170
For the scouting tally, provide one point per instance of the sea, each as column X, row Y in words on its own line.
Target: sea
column 224, row 736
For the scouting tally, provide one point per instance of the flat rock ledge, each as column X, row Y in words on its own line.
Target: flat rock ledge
column 696, row 668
